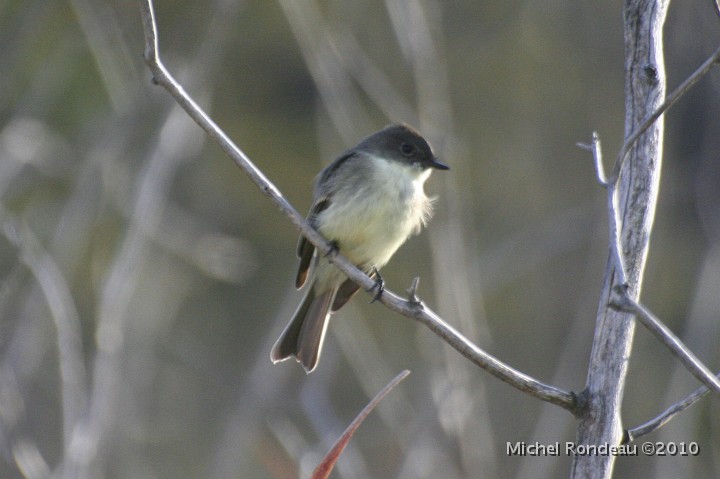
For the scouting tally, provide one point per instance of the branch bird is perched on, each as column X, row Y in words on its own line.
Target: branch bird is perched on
column 367, row 203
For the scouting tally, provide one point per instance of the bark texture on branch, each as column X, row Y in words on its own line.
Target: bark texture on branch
column 635, row 198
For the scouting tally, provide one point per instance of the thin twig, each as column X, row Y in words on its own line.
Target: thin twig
column 495, row 367
column 163, row 78
column 566, row 400
column 625, row 303
column 662, row 419
column 669, row 101
column 612, row 209
column 596, row 150
column 412, row 290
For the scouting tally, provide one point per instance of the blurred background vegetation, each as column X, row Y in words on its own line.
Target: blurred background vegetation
column 143, row 278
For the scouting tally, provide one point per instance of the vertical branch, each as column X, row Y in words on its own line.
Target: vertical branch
column 636, row 189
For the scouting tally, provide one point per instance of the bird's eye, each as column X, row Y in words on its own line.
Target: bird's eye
column 406, row 149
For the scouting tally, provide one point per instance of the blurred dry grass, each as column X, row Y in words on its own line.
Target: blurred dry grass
column 143, row 279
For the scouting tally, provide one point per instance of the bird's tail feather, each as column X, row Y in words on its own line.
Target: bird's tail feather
column 304, row 335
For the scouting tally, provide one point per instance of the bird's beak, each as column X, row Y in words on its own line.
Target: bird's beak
column 435, row 163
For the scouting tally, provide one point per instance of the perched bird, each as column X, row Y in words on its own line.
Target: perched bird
column 367, row 203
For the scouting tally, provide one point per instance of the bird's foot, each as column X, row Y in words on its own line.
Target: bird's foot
column 379, row 284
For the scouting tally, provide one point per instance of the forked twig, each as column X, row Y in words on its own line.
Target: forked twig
column 623, row 300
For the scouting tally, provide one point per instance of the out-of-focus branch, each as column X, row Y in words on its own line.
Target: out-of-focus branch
column 335, row 85
column 63, row 310
column 407, row 308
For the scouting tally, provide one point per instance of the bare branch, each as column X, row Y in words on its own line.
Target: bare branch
column 662, row 419
column 416, row 311
column 636, row 196
column 163, row 78
column 412, row 290
column 626, row 302
column 667, row 337
column 612, row 209
column 596, row 151
column 670, row 100
column 523, row 382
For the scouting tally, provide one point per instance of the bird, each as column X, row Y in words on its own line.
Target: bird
column 366, row 203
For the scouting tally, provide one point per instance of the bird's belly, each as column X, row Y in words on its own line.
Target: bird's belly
column 369, row 236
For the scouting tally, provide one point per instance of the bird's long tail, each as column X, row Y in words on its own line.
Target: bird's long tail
column 304, row 335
